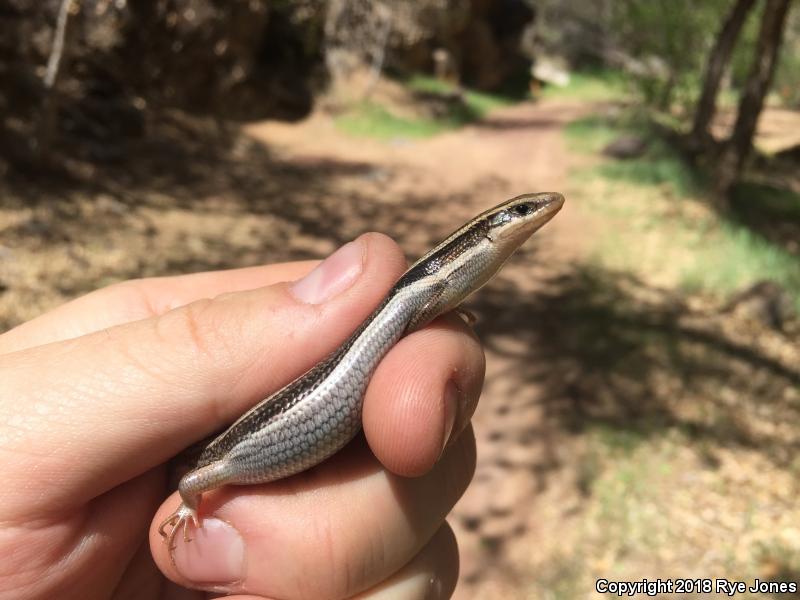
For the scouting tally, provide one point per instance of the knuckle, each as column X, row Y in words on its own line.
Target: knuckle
column 191, row 326
column 194, row 321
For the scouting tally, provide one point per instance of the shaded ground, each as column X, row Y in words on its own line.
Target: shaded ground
column 622, row 434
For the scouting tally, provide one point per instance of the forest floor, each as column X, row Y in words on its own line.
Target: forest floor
column 630, row 428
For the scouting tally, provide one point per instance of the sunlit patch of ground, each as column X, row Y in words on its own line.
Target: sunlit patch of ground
column 778, row 128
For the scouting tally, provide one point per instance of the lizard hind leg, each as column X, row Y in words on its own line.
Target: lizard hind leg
column 176, row 521
column 191, row 488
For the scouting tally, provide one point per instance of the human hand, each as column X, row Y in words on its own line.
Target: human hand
column 98, row 395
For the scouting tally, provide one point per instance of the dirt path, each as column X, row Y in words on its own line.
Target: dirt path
column 515, row 150
column 519, row 149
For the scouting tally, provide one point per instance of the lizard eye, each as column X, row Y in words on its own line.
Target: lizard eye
column 522, row 209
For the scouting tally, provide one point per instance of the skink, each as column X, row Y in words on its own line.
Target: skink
column 315, row 415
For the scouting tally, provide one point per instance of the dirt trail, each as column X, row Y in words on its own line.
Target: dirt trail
column 516, row 150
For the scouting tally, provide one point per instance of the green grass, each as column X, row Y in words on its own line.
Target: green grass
column 480, row 103
column 594, row 84
column 626, row 494
column 655, row 230
column 368, row 119
column 660, row 164
column 616, row 440
column 591, row 134
column 737, row 258
column 371, row 120
column 564, row 577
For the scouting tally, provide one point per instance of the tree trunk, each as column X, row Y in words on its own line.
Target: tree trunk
column 49, row 110
column 738, row 147
column 718, row 59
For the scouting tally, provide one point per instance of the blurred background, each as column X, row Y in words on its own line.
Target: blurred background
column 642, row 402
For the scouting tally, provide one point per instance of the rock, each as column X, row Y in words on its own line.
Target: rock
column 626, row 147
column 551, row 70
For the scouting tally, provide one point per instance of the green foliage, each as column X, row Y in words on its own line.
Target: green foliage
column 787, row 75
column 368, row 119
column 650, row 197
column 742, row 57
column 678, row 34
column 787, row 78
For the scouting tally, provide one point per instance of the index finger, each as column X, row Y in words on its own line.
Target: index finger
column 119, row 401
column 140, row 299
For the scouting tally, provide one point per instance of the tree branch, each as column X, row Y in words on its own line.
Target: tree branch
column 57, row 50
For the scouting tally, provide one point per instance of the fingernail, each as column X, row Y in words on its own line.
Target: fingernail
column 451, row 396
column 332, row 276
column 215, row 554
